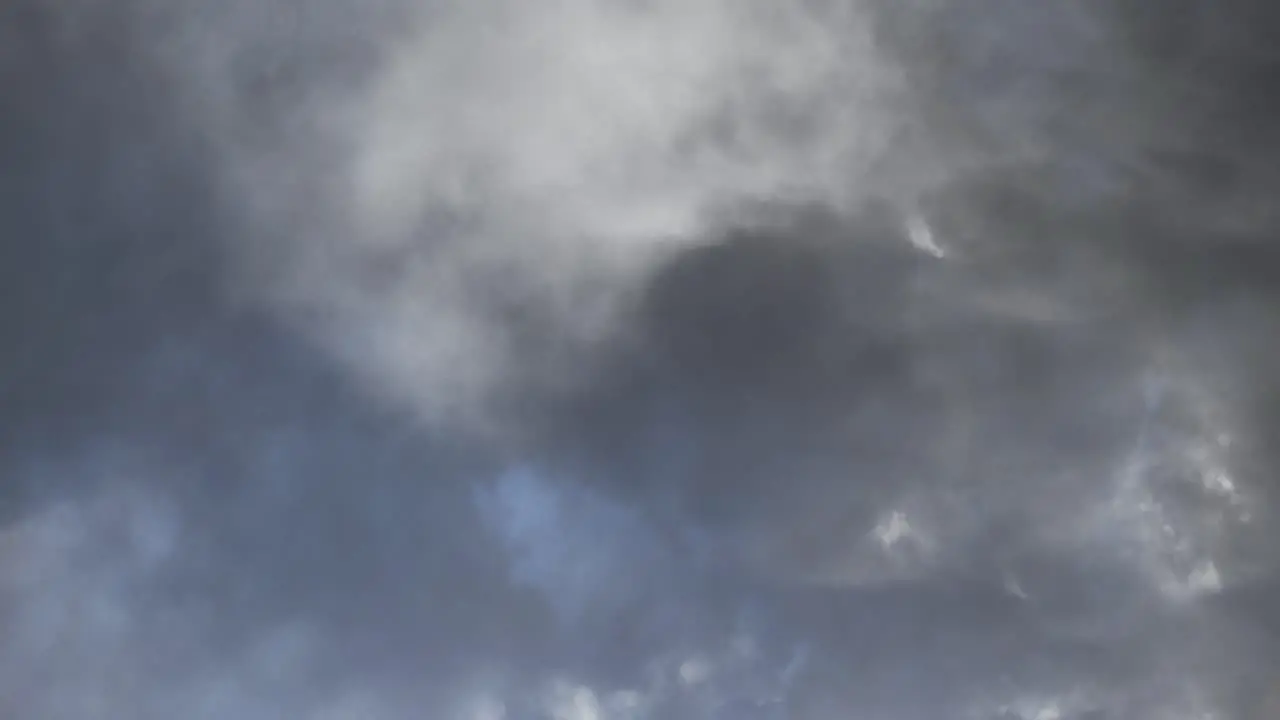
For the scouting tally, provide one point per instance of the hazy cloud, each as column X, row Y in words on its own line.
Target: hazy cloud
column 625, row 359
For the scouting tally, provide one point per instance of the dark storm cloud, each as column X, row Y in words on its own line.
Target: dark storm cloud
column 602, row 360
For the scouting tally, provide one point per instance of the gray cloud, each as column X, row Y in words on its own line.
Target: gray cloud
column 606, row 360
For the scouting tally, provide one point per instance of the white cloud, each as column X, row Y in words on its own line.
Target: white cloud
column 619, row 120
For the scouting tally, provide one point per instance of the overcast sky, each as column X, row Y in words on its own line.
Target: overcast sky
column 639, row 360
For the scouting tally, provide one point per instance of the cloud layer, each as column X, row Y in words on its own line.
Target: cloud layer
column 625, row 359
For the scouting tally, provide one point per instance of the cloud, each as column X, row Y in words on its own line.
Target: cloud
column 626, row 359
column 618, row 106
column 480, row 164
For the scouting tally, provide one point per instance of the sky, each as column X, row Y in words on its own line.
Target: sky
column 639, row 360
